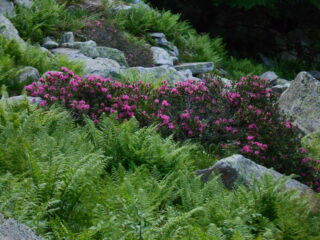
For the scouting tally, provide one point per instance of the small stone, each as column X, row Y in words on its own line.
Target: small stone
column 49, row 43
column 67, row 37
column 161, row 56
column 28, row 74
column 270, row 77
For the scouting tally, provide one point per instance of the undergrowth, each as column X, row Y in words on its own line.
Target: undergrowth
column 80, row 185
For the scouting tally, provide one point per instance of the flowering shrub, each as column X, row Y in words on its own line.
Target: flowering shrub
column 243, row 117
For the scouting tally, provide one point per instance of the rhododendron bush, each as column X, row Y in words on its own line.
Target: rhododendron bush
column 243, row 117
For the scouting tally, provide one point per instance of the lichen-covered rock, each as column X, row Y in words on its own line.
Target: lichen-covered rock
column 114, row 54
column 6, row 8
column 27, row 74
column 97, row 66
column 101, row 66
column 48, row 43
column 8, row 30
column 89, row 51
column 79, row 45
column 161, row 72
column 302, row 102
column 31, row 100
column 196, row 68
column 237, row 170
column 161, row 56
column 12, row 230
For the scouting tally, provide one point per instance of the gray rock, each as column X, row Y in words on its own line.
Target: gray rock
column 8, row 30
column 302, row 102
column 49, row 43
column 73, row 54
column 23, row 3
column 161, row 72
column 101, row 66
column 31, row 100
column 28, row 74
column 114, row 54
column 226, row 82
column 161, row 56
column 237, row 170
column 6, row 8
column 67, row 37
column 157, row 35
column 279, row 89
column 79, row 45
column 89, row 51
column 270, row 77
column 12, row 230
column 196, row 68
column 98, row 66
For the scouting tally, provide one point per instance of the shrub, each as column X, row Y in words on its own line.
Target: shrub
column 13, row 57
column 243, row 117
column 237, row 68
column 53, row 178
column 45, row 18
column 105, row 33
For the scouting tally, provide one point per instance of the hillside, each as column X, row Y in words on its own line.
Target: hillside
column 121, row 121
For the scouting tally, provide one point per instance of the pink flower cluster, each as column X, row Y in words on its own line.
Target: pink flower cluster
column 242, row 117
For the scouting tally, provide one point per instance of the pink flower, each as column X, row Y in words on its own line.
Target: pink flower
column 156, row 100
column 303, row 150
column 287, row 124
column 165, row 103
column 247, row 149
column 250, row 137
column 259, row 111
column 252, row 125
column 228, row 128
column 104, row 90
column 43, row 103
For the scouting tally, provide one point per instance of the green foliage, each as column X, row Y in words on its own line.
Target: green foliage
column 242, row 67
column 45, row 18
column 193, row 47
column 203, row 48
column 312, row 143
column 53, row 177
column 13, row 57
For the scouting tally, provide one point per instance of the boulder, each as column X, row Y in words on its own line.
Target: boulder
column 48, row 43
column 6, row 8
column 101, row 66
column 271, row 77
column 67, row 37
column 8, row 30
column 315, row 74
column 89, row 51
column 12, row 230
column 280, row 85
column 98, row 66
column 27, row 74
column 237, row 170
column 160, row 39
column 161, row 56
column 196, row 68
column 301, row 101
column 114, row 54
